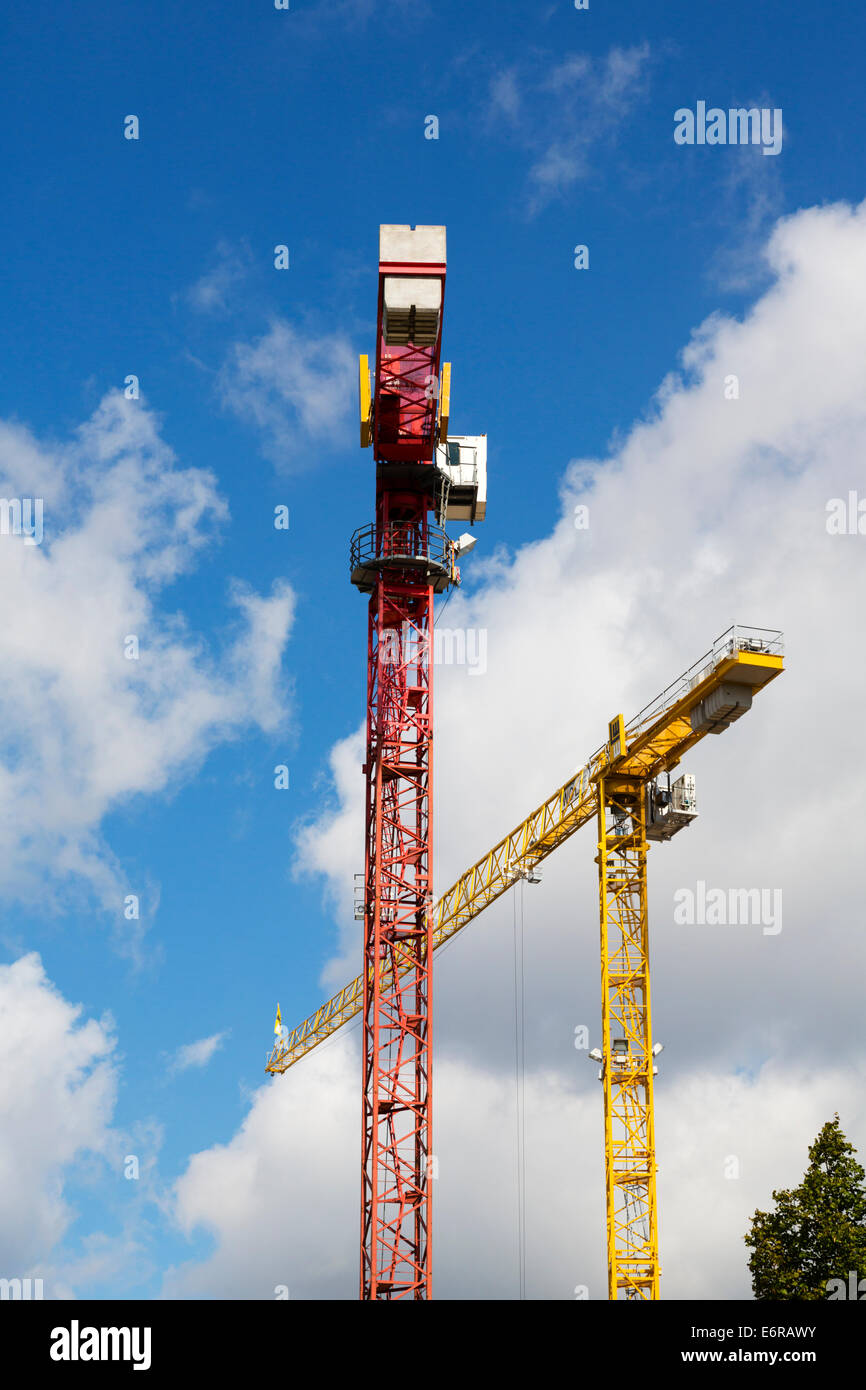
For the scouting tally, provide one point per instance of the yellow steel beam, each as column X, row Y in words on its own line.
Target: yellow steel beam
column 364, row 400
column 444, row 401
column 656, row 740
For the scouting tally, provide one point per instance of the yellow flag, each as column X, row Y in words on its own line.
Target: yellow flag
column 279, row 1022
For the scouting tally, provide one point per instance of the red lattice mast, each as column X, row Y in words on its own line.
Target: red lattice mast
column 400, row 561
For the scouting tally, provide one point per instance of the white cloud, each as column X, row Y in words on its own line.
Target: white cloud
column 280, row 1201
column 85, row 728
column 563, row 113
column 334, row 840
column 505, row 95
column 58, row 1081
column 710, row 511
column 279, row 1197
column 213, row 291
column 196, row 1054
column 296, row 389
column 750, row 200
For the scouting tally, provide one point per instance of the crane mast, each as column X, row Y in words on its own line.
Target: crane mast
column 402, row 560
column 627, row 1046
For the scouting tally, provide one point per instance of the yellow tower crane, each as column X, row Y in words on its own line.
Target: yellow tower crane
column 621, row 788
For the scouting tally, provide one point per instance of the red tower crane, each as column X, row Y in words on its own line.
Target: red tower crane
column 401, row 561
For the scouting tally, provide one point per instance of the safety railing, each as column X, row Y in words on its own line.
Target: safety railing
column 736, row 638
column 374, row 548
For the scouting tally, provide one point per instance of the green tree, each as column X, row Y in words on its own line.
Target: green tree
column 817, row 1231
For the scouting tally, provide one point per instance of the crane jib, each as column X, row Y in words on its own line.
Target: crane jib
column 656, row 740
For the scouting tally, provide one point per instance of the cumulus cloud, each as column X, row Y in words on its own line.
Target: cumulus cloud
column 334, row 839
column 58, row 1082
column 280, row 1200
column 104, row 693
column 59, row 1146
column 295, row 388
column 712, row 509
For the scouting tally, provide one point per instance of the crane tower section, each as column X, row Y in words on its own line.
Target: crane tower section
column 402, row 559
column 627, row 1056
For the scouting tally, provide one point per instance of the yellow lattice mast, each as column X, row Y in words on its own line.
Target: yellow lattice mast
column 627, row 1047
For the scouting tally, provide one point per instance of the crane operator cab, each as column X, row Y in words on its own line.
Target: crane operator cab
column 670, row 808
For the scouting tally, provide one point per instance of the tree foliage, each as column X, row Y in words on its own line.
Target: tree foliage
column 817, row 1231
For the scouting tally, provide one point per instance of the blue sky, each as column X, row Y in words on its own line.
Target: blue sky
column 155, row 257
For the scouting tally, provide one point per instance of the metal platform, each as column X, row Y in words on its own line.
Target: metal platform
column 402, row 548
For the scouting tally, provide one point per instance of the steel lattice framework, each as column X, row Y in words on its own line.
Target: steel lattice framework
column 400, row 563
column 626, row 1025
column 396, row 1196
